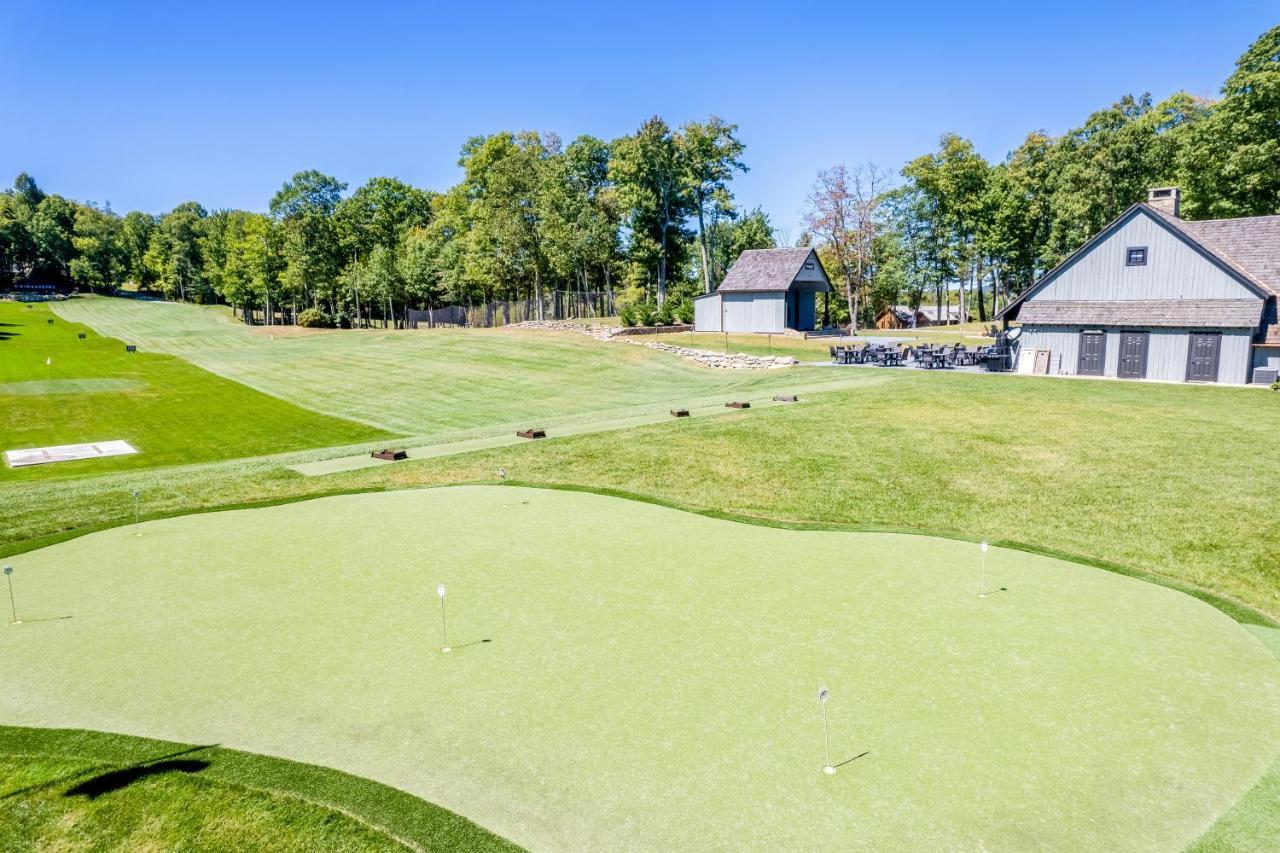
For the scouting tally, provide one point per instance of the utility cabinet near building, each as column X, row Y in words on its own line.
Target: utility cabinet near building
column 766, row 290
column 1154, row 296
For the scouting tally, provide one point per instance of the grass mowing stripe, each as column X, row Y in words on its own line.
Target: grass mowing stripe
column 428, row 382
column 402, row 817
column 57, row 387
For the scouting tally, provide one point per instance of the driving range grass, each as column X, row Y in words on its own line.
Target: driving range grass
column 430, row 381
column 63, row 789
column 57, row 389
column 649, row 678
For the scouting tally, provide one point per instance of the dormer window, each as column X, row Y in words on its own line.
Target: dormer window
column 1135, row 256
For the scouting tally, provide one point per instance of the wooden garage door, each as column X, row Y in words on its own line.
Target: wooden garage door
column 1093, row 353
column 1202, row 356
column 1133, row 355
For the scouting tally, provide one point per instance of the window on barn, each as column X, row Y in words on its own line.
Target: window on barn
column 1136, row 256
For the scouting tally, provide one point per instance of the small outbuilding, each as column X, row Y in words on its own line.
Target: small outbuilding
column 766, row 290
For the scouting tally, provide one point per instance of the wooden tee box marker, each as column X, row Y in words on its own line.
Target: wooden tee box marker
column 679, row 413
column 738, row 404
column 532, row 433
column 786, row 398
column 390, row 455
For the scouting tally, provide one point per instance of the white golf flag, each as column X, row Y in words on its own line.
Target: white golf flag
column 48, row 362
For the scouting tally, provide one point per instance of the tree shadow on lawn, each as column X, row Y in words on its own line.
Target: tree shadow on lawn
column 115, row 780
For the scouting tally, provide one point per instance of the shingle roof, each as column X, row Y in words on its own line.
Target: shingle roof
column 1250, row 245
column 1216, row 313
column 766, row 269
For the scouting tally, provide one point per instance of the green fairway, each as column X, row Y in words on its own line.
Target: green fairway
column 650, row 677
column 428, row 382
column 58, row 389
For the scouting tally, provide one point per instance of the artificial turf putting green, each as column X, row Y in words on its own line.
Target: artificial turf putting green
column 651, row 677
column 57, row 388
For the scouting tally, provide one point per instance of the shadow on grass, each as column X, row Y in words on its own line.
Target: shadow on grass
column 115, row 780
column 851, row 760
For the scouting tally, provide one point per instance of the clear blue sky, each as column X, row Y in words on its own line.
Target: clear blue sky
column 149, row 105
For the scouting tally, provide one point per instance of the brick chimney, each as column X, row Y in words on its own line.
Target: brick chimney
column 1167, row 200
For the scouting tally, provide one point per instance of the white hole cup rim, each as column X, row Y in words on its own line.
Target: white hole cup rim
column 440, row 590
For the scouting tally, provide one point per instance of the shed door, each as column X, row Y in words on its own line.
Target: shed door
column 1133, row 355
column 1202, row 356
column 1093, row 353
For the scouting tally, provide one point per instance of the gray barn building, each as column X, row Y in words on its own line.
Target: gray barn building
column 1154, row 296
column 766, row 290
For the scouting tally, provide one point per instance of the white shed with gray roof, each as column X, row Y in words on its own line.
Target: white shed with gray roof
column 1154, row 296
column 766, row 290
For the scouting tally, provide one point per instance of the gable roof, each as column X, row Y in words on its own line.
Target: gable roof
column 1250, row 244
column 759, row 270
column 1254, row 238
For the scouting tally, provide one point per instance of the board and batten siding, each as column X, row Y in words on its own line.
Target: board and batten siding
column 707, row 313
column 1174, row 270
column 754, row 312
column 1166, row 350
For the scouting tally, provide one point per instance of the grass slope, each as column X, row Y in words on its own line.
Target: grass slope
column 1142, row 476
column 72, row 789
column 430, row 381
column 170, row 410
column 1080, row 709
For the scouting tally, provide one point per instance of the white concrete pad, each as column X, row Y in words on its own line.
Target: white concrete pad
column 66, row 453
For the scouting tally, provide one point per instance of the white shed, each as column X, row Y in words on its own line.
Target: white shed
column 766, row 290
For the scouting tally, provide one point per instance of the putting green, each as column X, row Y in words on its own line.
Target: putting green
column 651, row 680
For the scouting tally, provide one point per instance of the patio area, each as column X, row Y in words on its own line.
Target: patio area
column 995, row 358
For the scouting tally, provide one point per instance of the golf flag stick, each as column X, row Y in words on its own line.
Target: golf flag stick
column 444, row 628
column 823, row 695
column 982, row 581
column 13, row 610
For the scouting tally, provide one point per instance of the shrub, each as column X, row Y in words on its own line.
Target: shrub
column 314, row 318
column 681, row 309
column 662, row 316
column 644, row 313
column 1275, row 386
column 627, row 316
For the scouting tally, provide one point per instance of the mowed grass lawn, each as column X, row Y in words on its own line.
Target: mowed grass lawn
column 67, row 789
column 625, row 676
column 430, row 381
column 57, row 389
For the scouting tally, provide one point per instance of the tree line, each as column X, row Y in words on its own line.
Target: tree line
column 953, row 226
column 651, row 214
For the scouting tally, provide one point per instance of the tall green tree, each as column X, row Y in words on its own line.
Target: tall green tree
column 709, row 155
column 99, row 262
column 1230, row 162
column 304, row 207
column 652, row 186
